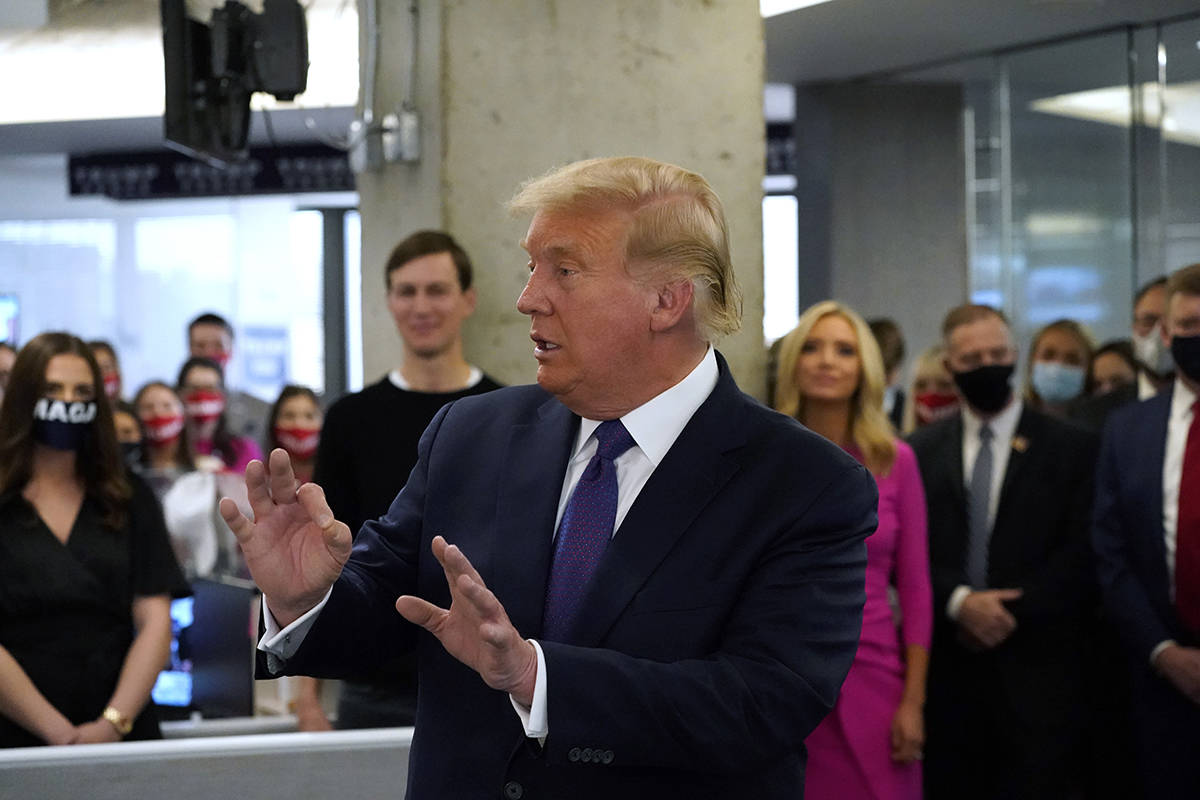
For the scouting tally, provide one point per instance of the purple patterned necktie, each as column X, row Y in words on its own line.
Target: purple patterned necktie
column 586, row 527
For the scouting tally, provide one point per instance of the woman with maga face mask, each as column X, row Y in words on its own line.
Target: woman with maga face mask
column 86, row 568
column 201, row 386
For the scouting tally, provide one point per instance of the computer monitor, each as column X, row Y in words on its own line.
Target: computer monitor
column 214, row 634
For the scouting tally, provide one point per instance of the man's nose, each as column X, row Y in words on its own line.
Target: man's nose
column 531, row 299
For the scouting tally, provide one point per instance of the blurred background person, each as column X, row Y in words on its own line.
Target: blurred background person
column 86, row 569
column 110, row 367
column 831, row 378
column 201, row 386
column 166, row 453
column 369, row 440
column 128, row 430
column 8, row 354
column 931, row 396
column 1114, row 368
column 1057, row 371
column 188, row 494
column 1156, row 367
column 891, row 346
column 295, row 425
column 211, row 336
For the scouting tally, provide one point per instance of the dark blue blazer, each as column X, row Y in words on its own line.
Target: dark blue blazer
column 1131, row 558
column 715, row 636
column 1127, row 525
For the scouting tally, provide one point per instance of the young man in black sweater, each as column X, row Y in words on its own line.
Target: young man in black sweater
column 369, row 439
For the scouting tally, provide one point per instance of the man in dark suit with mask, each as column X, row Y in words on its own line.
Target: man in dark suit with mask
column 1008, row 491
column 1147, row 539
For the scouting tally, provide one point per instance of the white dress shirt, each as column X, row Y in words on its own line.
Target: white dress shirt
column 1179, row 421
column 1004, row 428
column 654, row 427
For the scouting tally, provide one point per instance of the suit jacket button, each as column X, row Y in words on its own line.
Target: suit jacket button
column 606, row 757
column 586, row 755
column 573, row 755
column 514, row 790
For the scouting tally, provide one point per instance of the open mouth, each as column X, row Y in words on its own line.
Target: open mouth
column 543, row 345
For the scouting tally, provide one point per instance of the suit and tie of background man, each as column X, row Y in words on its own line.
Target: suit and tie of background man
column 719, row 619
column 1146, row 534
column 1008, row 493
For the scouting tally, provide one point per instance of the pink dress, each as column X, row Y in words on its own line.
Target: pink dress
column 849, row 754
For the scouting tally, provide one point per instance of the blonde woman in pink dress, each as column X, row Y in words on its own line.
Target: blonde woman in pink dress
column 830, row 377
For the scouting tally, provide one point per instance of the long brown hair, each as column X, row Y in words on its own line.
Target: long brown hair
column 98, row 463
column 183, row 456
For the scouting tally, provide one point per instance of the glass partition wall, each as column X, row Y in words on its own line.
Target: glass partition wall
column 1082, row 162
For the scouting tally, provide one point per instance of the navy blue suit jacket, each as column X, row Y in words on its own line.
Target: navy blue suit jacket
column 1127, row 529
column 1127, row 534
column 716, row 634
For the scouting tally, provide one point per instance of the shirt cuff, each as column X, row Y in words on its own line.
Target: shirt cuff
column 1163, row 645
column 954, row 604
column 534, row 719
column 280, row 644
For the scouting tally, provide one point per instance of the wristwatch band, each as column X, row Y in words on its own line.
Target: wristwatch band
column 119, row 721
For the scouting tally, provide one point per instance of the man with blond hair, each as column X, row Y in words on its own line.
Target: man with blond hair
column 630, row 580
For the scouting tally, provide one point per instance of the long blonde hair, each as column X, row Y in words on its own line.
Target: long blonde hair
column 869, row 427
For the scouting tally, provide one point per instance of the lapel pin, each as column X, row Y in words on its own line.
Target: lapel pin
column 1020, row 444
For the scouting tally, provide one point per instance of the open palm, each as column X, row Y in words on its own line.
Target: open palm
column 294, row 548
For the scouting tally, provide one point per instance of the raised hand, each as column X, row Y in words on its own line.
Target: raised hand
column 475, row 629
column 294, row 548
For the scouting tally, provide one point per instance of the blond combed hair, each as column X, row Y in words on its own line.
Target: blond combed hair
column 678, row 230
column 869, row 427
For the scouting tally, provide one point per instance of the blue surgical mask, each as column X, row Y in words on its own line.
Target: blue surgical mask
column 62, row 425
column 1057, row 383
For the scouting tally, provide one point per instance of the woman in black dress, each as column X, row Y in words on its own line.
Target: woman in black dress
column 86, row 568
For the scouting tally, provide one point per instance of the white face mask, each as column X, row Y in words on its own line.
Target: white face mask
column 1151, row 351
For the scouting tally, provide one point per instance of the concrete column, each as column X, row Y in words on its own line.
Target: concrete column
column 522, row 86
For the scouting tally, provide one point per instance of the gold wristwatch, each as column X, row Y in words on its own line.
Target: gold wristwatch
column 119, row 721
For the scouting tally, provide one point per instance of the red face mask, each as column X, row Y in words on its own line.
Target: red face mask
column 163, row 430
column 222, row 358
column 933, row 406
column 300, row 443
column 204, row 405
column 112, row 384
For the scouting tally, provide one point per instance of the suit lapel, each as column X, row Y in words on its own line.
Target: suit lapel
column 691, row 474
column 951, row 463
column 1154, row 439
column 533, row 465
column 1024, row 440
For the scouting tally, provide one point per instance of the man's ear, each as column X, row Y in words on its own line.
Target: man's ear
column 470, row 298
column 673, row 302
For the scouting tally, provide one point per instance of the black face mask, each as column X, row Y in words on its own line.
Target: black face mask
column 987, row 389
column 62, row 425
column 1186, row 352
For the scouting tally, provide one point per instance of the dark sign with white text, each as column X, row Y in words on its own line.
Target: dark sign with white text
column 165, row 174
